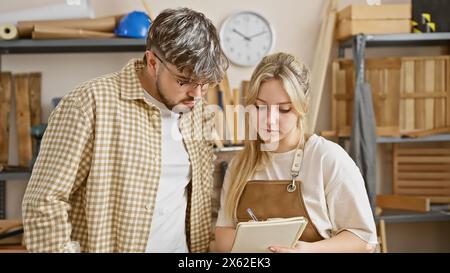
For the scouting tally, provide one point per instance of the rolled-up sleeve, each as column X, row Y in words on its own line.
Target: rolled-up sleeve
column 348, row 204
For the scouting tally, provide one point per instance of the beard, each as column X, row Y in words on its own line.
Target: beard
column 175, row 106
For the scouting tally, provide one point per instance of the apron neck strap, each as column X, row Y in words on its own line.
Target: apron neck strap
column 298, row 158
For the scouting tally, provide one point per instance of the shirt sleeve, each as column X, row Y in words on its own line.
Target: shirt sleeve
column 62, row 165
column 222, row 219
column 347, row 201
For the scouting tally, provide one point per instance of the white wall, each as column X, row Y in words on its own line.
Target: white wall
column 296, row 23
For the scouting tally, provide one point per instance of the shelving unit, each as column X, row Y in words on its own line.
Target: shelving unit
column 399, row 40
column 58, row 46
column 71, row 46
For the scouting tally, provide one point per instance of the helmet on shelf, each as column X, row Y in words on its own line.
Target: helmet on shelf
column 133, row 25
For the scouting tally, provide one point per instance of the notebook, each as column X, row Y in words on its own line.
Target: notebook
column 257, row 236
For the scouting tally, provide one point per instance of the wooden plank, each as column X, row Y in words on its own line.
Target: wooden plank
column 334, row 91
column 424, row 191
column 424, row 175
column 381, row 131
column 419, row 133
column 424, row 151
column 348, row 28
column 424, row 58
column 245, row 85
column 423, row 183
column 382, row 12
column 392, row 88
column 237, row 122
column 423, row 95
column 23, row 119
column 212, row 96
column 429, row 88
column 419, row 84
column 321, row 60
column 439, row 199
column 376, row 83
column 224, row 87
column 411, row 203
column 408, row 104
column 424, row 159
column 383, row 239
column 5, row 107
column 394, row 63
column 447, row 85
column 35, row 101
column 395, row 166
column 350, row 90
column 423, row 167
column 342, row 104
column 439, row 106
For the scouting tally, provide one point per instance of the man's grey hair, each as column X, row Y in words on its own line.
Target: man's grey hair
column 188, row 40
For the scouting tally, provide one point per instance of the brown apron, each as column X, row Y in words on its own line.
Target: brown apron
column 277, row 199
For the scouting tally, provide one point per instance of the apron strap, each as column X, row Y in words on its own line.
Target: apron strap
column 296, row 164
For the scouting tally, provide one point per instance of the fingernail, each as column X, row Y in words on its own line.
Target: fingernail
column 272, row 249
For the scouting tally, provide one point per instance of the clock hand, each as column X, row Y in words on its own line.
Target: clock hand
column 243, row 36
column 257, row 34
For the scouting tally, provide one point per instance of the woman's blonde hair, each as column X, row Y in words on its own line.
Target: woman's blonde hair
column 294, row 76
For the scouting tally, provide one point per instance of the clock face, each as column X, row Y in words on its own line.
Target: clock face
column 246, row 37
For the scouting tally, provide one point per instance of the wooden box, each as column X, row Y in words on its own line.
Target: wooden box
column 421, row 169
column 382, row 19
column 411, row 95
column 376, row 12
column 348, row 28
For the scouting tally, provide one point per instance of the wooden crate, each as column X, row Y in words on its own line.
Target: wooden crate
column 5, row 106
column 421, row 169
column 382, row 19
column 348, row 28
column 380, row 12
column 411, row 95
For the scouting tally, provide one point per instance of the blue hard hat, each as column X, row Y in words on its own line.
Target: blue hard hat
column 133, row 25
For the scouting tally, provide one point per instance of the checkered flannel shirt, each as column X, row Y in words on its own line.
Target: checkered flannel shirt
column 97, row 174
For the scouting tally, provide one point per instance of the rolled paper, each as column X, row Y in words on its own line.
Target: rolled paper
column 8, row 32
column 104, row 24
column 46, row 32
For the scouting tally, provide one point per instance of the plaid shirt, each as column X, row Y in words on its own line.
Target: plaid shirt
column 97, row 174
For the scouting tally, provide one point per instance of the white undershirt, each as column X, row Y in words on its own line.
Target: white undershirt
column 332, row 187
column 167, row 232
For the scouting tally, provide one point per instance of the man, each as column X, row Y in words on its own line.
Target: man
column 123, row 167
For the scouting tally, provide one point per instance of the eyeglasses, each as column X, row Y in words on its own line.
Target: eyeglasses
column 184, row 83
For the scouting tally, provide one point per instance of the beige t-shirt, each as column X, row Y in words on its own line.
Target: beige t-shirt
column 332, row 187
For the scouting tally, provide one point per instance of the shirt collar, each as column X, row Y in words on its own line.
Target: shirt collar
column 130, row 86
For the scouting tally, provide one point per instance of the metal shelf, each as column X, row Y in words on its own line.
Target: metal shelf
column 15, row 175
column 433, row 138
column 401, row 216
column 26, row 46
column 20, row 174
column 398, row 40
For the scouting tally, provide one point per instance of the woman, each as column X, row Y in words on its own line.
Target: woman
column 331, row 186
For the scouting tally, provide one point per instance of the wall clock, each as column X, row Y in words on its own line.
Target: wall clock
column 246, row 37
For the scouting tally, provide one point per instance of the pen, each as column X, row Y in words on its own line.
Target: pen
column 250, row 212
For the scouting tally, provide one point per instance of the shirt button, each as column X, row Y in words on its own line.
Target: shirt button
column 154, row 116
column 148, row 206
